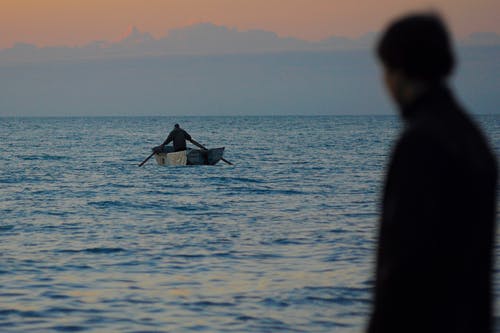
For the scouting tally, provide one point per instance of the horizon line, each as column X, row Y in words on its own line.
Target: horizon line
column 395, row 113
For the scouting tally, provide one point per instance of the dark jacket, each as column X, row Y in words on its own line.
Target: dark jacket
column 179, row 137
column 434, row 260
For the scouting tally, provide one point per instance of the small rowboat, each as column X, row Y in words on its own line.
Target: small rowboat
column 167, row 156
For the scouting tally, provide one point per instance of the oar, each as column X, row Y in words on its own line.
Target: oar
column 147, row 159
column 203, row 147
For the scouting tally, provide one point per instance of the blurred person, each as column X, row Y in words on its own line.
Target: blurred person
column 436, row 234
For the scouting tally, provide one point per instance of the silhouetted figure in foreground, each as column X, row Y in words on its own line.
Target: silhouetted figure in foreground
column 179, row 137
column 435, row 251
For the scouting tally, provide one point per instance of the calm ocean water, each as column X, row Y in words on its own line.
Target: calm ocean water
column 282, row 241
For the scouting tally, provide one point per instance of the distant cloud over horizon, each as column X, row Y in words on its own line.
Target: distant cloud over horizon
column 79, row 22
column 208, row 69
column 197, row 39
column 200, row 39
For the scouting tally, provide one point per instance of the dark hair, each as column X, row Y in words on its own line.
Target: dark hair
column 419, row 46
column 176, row 125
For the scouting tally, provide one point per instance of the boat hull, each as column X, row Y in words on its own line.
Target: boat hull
column 189, row 156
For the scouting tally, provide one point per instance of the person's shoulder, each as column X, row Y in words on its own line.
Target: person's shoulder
column 420, row 133
column 419, row 144
column 435, row 123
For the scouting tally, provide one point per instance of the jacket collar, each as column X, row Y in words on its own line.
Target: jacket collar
column 434, row 94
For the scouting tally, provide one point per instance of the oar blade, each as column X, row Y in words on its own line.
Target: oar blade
column 147, row 159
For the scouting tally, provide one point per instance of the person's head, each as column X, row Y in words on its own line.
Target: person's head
column 176, row 126
column 415, row 51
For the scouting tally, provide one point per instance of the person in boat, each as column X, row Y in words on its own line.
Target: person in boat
column 436, row 232
column 178, row 136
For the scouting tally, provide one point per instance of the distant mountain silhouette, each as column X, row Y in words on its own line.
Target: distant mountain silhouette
column 234, row 72
column 134, row 36
column 199, row 39
column 483, row 39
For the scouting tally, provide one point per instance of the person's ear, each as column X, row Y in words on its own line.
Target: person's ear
column 392, row 80
column 397, row 85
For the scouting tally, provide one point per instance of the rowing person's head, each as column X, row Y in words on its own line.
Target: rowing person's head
column 176, row 126
column 415, row 50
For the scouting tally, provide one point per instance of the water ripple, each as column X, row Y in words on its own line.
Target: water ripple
column 283, row 241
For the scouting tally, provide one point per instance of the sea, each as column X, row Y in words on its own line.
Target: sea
column 283, row 240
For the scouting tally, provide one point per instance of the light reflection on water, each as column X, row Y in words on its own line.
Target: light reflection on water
column 282, row 241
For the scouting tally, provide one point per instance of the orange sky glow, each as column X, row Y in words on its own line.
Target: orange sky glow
column 76, row 22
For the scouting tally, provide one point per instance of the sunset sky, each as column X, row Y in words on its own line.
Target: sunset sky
column 76, row 22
